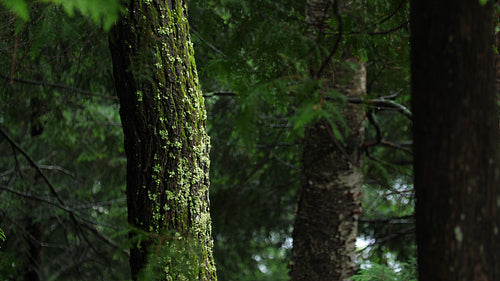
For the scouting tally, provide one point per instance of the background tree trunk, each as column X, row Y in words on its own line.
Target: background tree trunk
column 456, row 141
column 166, row 144
column 326, row 222
column 34, row 239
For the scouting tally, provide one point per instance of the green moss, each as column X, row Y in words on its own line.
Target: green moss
column 164, row 69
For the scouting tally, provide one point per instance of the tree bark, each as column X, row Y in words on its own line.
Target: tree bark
column 329, row 205
column 456, row 140
column 166, row 144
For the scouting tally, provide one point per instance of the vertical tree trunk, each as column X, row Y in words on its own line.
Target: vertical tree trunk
column 166, row 144
column 34, row 237
column 497, row 57
column 456, row 141
column 326, row 222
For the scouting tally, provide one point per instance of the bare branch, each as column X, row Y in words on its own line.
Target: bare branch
column 36, row 198
column 44, row 167
column 57, row 85
column 390, row 30
column 214, row 94
column 408, row 219
column 394, row 12
column 335, row 47
column 34, row 164
column 51, row 187
column 207, row 43
column 382, row 102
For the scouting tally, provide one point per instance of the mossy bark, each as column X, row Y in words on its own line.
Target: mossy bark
column 166, row 144
column 456, row 141
column 326, row 223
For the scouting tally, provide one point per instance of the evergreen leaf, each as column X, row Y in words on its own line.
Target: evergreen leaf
column 18, row 7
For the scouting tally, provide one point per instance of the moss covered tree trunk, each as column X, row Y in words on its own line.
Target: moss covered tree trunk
column 326, row 222
column 456, row 141
column 166, row 144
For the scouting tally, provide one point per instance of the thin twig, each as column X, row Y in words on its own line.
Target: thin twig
column 340, row 148
column 207, row 43
column 390, row 30
column 381, row 102
column 49, row 184
column 44, row 167
column 337, row 43
column 263, row 160
column 69, row 210
column 35, row 165
column 393, row 13
column 57, row 85
column 214, row 94
column 36, row 198
column 394, row 220
column 289, row 165
column 378, row 136
column 237, row 187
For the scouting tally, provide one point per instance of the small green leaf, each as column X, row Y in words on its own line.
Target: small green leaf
column 2, row 235
column 483, row 2
column 305, row 115
column 18, row 7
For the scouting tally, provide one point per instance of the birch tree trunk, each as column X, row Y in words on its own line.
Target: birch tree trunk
column 166, row 143
column 326, row 222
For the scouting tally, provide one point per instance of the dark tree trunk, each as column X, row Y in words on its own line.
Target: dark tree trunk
column 34, row 237
column 456, row 141
column 326, row 223
column 166, row 144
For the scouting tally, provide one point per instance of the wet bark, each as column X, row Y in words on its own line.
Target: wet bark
column 166, row 144
column 329, row 205
column 456, row 141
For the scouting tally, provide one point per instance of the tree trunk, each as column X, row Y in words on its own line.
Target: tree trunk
column 456, row 141
column 326, row 222
column 34, row 237
column 166, row 144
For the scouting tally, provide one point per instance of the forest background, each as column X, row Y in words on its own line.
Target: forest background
column 62, row 174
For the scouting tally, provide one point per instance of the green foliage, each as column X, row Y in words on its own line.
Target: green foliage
column 8, row 266
column 2, row 235
column 18, row 7
column 483, row 2
column 58, row 106
column 378, row 272
column 105, row 13
column 252, row 194
column 260, row 51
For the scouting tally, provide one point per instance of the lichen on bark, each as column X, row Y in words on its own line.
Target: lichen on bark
column 166, row 144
